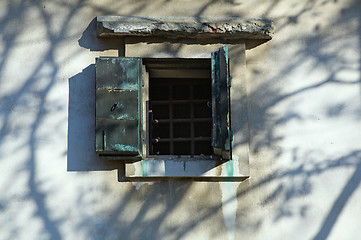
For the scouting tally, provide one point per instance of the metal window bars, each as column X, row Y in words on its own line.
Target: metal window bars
column 180, row 117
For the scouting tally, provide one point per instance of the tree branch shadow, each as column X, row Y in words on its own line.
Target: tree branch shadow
column 168, row 194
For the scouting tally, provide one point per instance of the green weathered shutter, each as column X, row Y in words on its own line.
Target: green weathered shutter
column 221, row 108
column 118, row 128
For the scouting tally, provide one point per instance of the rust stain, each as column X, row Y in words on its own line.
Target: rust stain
column 115, row 90
column 211, row 28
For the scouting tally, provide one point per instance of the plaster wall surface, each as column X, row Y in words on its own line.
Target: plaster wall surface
column 303, row 91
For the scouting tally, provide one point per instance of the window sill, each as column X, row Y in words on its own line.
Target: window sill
column 207, row 168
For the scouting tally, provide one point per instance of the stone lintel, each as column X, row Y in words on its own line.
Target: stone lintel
column 185, row 27
column 176, row 167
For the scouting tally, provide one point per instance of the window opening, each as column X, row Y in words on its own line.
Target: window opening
column 186, row 113
column 180, row 116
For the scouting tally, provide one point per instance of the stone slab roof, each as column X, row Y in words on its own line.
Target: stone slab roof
column 185, row 27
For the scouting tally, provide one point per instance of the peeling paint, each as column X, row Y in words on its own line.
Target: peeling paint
column 139, row 172
column 115, row 90
column 229, row 197
column 122, row 147
column 144, row 168
column 122, row 117
column 229, row 168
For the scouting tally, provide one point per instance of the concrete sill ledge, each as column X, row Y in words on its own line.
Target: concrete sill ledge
column 181, row 167
column 185, row 27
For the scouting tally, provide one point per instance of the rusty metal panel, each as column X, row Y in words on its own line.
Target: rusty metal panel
column 118, row 127
column 117, row 104
column 118, row 73
column 221, row 108
column 117, row 137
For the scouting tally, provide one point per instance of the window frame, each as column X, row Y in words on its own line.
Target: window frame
column 199, row 71
column 197, row 167
column 220, row 102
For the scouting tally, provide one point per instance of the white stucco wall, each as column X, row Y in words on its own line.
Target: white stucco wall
column 303, row 110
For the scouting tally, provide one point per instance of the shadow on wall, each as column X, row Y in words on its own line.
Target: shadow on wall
column 89, row 39
column 81, row 125
column 128, row 218
column 291, row 184
column 81, row 155
column 300, row 179
column 341, row 201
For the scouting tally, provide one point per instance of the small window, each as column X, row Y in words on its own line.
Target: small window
column 187, row 113
column 180, row 112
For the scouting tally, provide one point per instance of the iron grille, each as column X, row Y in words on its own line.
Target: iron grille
column 180, row 116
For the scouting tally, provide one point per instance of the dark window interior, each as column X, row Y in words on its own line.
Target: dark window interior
column 180, row 116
